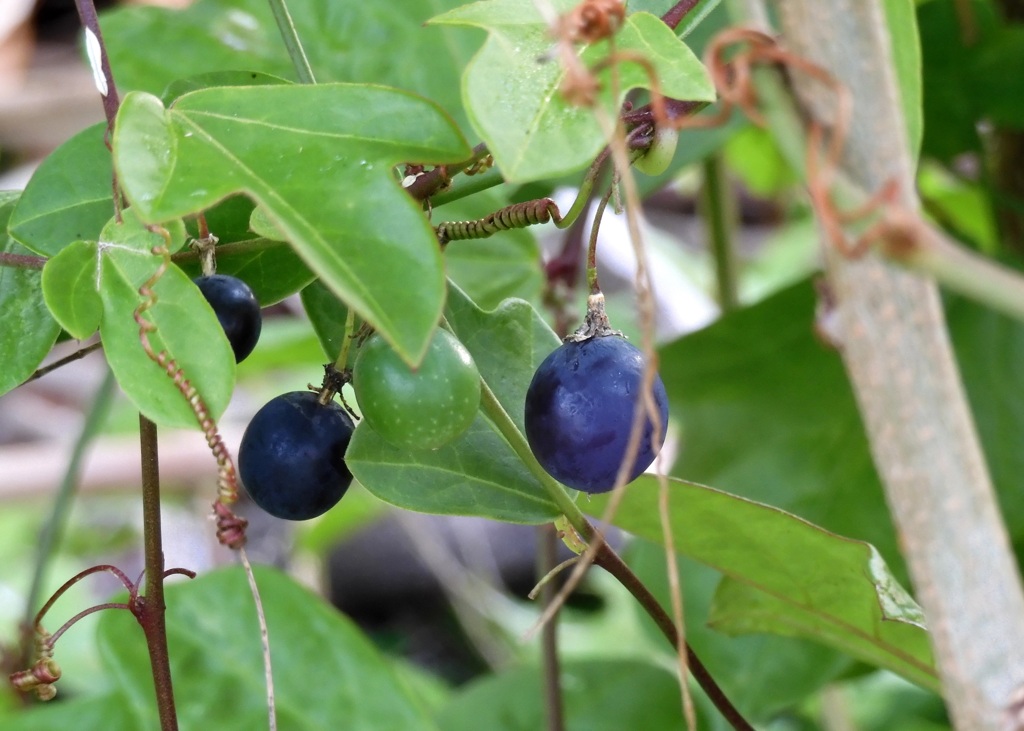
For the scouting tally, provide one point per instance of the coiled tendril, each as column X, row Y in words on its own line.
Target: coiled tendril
column 230, row 528
column 519, row 215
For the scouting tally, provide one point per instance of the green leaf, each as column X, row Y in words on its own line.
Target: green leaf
column 70, row 288
column 106, row 712
column 325, row 671
column 507, row 343
column 818, row 585
column 598, row 695
column 764, row 674
column 768, row 414
column 378, row 43
column 29, row 331
column 905, row 42
column 478, row 473
column 187, row 330
column 70, row 195
column 514, row 101
column 319, row 159
column 900, row 644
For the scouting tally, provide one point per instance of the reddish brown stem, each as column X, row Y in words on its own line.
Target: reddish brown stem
column 151, row 614
column 674, row 15
column 22, row 261
column 610, row 561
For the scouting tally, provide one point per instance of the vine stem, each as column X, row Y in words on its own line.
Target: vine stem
column 605, row 556
column 152, row 616
column 292, row 43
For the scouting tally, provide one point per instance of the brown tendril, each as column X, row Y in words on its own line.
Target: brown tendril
column 230, row 528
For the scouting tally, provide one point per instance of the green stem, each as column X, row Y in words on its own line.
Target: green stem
column 720, row 217
column 291, row 41
column 53, row 531
column 586, row 188
column 346, row 344
column 508, row 429
column 464, row 186
column 152, row 617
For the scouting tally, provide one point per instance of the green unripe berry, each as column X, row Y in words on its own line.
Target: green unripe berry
column 423, row 408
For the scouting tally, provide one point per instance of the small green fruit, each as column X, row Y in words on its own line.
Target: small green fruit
column 423, row 408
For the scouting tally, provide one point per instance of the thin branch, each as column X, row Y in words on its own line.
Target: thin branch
column 77, row 355
column 152, row 617
column 674, row 15
column 96, row 50
column 610, row 561
column 547, row 542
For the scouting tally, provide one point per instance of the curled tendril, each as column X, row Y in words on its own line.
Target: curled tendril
column 518, row 215
column 232, row 532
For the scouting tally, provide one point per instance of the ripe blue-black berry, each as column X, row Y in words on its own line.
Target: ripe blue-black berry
column 291, row 459
column 237, row 310
column 579, row 412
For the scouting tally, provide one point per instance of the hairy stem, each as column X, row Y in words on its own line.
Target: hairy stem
column 152, row 616
column 292, row 43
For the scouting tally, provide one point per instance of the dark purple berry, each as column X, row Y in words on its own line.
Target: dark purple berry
column 292, row 456
column 237, row 310
column 579, row 412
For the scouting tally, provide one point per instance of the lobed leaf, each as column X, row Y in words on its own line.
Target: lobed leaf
column 513, row 98
column 319, row 160
column 378, row 43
